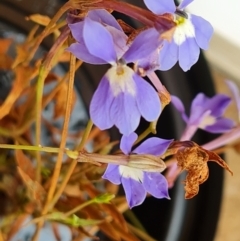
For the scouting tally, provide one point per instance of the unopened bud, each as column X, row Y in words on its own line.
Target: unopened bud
column 148, row 163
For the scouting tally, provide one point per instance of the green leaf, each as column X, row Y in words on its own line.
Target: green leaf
column 104, row 198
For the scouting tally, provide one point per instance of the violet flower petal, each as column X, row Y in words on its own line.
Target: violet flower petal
column 127, row 143
column 188, row 53
column 100, row 105
column 104, row 17
column 135, row 192
column 112, row 174
column 168, row 55
column 155, row 184
column 154, row 146
column 222, row 125
column 218, row 104
column 184, row 4
column 235, row 92
column 179, row 106
column 97, row 39
column 148, row 101
column 119, row 39
column 143, row 45
column 203, row 31
column 124, row 113
column 82, row 53
column 160, row 6
column 77, row 30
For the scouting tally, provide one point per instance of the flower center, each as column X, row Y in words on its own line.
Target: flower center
column 133, row 173
column 184, row 29
column 207, row 120
column 121, row 80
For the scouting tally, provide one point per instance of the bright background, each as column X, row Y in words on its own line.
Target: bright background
column 224, row 15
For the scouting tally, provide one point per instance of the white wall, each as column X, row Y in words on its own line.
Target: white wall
column 224, row 15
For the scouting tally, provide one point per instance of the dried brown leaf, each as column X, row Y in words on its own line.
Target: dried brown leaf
column 39, row 19
column 96, row 213
column 109, row 208
column 35, row 191
column 4, row 45
column 25, row 164
column 60, row 101
column 126, row 235
column 23, row 77
column 22, row 53
column 194, row 160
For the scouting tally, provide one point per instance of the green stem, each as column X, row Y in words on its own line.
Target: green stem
column 149, row 130
column 79, row 207
column 30, row 148
column 58, row 164
column 71, row 167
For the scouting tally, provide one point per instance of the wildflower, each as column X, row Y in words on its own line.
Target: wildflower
column 206, row 113
column 137, row 182
column 190, row 33
column 236, row 95
column 122, row 96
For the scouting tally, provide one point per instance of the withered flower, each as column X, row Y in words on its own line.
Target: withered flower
column 193, row 159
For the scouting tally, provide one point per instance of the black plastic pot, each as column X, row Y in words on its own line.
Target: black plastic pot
column 177, row 219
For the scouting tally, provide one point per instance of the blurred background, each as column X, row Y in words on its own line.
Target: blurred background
column 223, row 58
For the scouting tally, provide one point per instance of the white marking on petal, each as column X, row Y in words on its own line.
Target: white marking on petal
column 207, row 120
column 121, row 80
column 184, row 29
column 133, row 173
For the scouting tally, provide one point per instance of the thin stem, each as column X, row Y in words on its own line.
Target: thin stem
column 224, row 139
column 145, row 134
column 79, row 207
column 58, row 164
column 43, row 72
column 71, row 167
column 44, row 33
column 30, row 148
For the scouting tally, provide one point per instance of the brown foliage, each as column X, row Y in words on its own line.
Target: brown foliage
column 194, row 160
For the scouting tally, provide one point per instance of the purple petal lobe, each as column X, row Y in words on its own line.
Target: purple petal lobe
column 135, row 192
column 77, row 30
column 119, row 39
column 124, row 113
column 218, row 104
column 184, row 4
column 160, row 6
column 155, row 146
column 81, row 52
column 147, row 98
column 179, row 106
column 143, row 45
column 188, row 53
column 222, row 125
column 168, row 55
column 127, row 143
column 99, row 41
column 112, row 174
column 235, row 92
column 100, row 105
column 203, row 31
column 104, row 17
column 155, row 184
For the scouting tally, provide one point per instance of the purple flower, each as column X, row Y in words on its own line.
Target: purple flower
column 206, row 113
column 191, row 32
column 236, row 95
column 137, row 182
column 122, row 96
